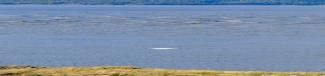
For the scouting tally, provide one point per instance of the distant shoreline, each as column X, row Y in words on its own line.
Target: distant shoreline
column 167, row 2
column 159, row 4
column 140, row 5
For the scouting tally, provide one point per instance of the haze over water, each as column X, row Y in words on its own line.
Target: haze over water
column 248, row 38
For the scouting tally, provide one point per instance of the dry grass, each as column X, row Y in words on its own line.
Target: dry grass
column 130, row 71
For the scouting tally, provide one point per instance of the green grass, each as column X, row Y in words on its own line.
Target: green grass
column 131, row 71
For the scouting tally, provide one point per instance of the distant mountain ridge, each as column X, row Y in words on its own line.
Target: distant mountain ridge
column 169, row 2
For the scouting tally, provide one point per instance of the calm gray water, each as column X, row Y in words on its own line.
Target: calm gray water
column 249, row 38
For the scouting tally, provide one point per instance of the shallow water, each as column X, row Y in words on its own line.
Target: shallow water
column 249, row 38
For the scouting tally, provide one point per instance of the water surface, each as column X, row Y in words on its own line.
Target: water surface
column 249, row 38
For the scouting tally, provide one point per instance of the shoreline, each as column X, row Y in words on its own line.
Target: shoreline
column 133, row 71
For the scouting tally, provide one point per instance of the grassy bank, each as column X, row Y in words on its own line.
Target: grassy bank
column 130, row 71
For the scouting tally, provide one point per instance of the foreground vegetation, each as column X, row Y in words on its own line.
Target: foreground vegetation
column 130, row 71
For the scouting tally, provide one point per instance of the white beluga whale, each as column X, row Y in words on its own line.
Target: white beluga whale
column 163, row 48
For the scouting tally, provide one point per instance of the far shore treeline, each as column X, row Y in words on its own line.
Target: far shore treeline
column 168, row 2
